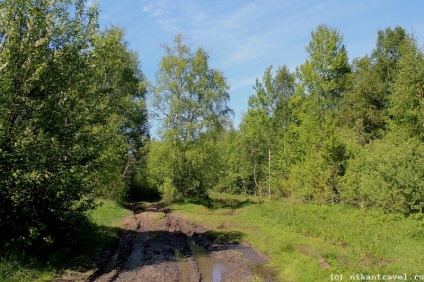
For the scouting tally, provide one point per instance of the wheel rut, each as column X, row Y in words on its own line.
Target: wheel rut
column 156, row 245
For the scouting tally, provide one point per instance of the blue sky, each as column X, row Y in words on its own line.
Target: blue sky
column 244, row 37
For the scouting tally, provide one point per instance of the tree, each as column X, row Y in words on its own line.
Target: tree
column 266, row 121
column 235, row 166
column 406, row 104
column 387, row 54
column 323, row 80
column 122, row 129
column 190, row 99
column 387, row 173
column 363, row 106
column 72, row 118
column 254, row 148
column 323, row 75
column 365, row 109
column 46, row 143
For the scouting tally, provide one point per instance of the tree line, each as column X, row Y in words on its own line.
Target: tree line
column 74, row 123
column 335, row 130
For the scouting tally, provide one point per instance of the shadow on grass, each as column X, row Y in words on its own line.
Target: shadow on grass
column 77, row 251
column 83, row 254
column 136, row 207
column 224, row 237
column 214, row 204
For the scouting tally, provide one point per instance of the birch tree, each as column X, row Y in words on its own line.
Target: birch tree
column 190, row 99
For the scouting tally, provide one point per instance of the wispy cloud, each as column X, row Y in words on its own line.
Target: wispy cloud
column 244, row 37
column 163, row 13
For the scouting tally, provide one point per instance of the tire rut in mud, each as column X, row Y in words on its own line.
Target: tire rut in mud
column 156, row 245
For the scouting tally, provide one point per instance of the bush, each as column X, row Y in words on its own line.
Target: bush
column 387, row 174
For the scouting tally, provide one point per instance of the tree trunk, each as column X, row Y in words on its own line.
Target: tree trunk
column 269, row 172
column 254, row 170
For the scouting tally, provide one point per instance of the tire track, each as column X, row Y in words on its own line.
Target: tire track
column 155, row 245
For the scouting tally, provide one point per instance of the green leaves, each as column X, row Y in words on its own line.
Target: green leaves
column 323, row 74
column 41, row 116
column 316, row 156
column 190, row 99
column 407, row 100
column 387, row 174
column 120, row 114
column 265, row 123
column 62, row 122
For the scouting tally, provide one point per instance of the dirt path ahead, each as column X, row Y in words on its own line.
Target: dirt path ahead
column 159, row 246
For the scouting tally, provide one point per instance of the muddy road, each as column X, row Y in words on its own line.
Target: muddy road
column 156, row 245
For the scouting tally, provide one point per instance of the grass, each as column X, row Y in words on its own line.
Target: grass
column 102, row 232
column 16, row 269
column 310, row 242
column 109, row 213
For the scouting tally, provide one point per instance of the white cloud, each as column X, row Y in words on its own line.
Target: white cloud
column 147, row 8
column 162, row 13
column 157, row 13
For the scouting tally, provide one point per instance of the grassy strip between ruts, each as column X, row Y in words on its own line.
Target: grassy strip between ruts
column 311, row 243
column 105, row 229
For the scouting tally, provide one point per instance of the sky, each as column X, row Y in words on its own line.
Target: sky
column 244, row 37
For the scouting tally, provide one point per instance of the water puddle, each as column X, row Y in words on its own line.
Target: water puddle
column 182, row 266
column 217, row 271
column 135, row 259
column 211, row 272
column 203, row 259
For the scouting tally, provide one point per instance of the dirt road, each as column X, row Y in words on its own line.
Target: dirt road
column 159, row 246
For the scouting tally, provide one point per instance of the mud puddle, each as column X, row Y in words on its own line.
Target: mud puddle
column 211, row 271
column 205, row 263
column 158, row 246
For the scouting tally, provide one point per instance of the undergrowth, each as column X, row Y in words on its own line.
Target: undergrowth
column 100, row 230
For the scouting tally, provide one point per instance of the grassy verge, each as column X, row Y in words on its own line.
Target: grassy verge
column 104, row 228
column 17, row 269
column 309, row 242
column 109, row 213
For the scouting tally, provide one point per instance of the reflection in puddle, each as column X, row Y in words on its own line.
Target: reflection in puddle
column 217, row 271
column 206, row 265
column 213, row 272
column 182, row 265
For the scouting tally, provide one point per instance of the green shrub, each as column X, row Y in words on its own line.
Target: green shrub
column 387, row 174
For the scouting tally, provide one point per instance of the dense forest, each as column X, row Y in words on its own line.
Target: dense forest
column 74, row 128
